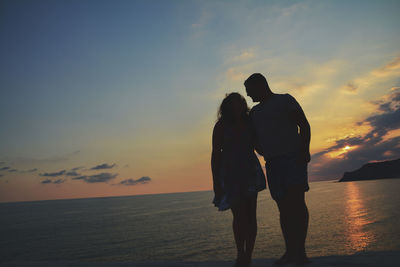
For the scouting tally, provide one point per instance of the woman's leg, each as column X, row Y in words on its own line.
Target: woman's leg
column 239, row 230
column 251, row 210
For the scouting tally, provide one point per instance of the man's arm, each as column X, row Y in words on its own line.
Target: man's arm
column 216, row 157
column 254, row 138
column 258, row 147
column 305, row 134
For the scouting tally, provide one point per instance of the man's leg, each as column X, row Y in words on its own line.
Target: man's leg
column 283, row 223
column 288, row 231
column 294, row 223
column 301, row 217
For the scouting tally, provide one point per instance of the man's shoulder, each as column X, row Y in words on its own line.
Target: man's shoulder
column 289, row 96
column 273, row 101
column 286, row 99
column 284, row 96
column 276, row 100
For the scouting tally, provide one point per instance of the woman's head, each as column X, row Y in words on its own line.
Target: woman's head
column 232, row 108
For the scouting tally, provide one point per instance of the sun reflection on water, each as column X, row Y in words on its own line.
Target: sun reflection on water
column 356, row 218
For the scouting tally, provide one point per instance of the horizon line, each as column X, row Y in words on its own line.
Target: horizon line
column 113, row 196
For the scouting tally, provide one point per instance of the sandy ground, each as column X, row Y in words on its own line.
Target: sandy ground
column 382, row 258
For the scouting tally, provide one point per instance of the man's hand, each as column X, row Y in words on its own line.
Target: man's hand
column 303, row 158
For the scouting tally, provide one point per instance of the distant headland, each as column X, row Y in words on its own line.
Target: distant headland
column 374, row 171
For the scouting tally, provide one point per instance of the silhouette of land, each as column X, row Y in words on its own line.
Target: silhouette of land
column 374, row 171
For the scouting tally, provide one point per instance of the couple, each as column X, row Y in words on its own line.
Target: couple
column 278, row 130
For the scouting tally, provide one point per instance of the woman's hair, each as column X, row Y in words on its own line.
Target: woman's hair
column 225, row 112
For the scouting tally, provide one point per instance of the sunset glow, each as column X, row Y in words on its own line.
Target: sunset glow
column 96, row 96
column 340, row 153
column 357, row 219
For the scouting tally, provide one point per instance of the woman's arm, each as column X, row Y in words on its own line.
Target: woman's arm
column 216, row 156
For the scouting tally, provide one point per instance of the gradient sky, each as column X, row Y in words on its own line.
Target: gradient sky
column 106, row 98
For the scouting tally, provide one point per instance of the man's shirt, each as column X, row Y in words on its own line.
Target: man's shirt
column 275, row 129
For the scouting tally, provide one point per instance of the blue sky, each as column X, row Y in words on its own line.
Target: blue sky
column 138, row 83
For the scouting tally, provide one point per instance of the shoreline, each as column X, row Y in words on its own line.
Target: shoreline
column 370, row 258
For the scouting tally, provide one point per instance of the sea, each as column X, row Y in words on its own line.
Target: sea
column 345, row 218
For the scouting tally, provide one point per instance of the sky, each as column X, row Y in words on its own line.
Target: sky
column 110, row 98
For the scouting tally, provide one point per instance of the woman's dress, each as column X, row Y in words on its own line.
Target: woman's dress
column 241, row 175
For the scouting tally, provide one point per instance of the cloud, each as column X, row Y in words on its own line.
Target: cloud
column 391, row 68
column 77, row 168
column 96, row 178
column 351, row 88
column 142, row 180
column 234, row 74
column 32, row 170
column 72, row 173
column 7, row 168
column 199, row 26
column 52, row 174
column 378, row 144
column 375, row 77
column 236, row 55
column 25, row 171
column 103, row 166
column 48, row 181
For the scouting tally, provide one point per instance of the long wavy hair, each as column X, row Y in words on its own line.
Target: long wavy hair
column 225, row 111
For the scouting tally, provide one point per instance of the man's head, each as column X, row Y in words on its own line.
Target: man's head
column 257, row 87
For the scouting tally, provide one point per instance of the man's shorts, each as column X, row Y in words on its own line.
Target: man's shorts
column 284, row 172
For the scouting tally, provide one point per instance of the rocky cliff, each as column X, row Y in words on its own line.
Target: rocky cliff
column 372, row 171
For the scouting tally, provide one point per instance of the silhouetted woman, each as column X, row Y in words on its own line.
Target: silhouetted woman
column 237, row 173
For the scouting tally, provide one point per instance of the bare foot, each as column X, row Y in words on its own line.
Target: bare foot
column 240, row 261
column 285, row 259
column 302, row 260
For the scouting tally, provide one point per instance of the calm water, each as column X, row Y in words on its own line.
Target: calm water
column 344, row 218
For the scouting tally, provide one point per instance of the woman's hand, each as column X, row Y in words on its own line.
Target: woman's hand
column 218, row 191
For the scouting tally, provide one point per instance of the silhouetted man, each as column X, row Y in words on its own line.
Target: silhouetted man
column 283, row 137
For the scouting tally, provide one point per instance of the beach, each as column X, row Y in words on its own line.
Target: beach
column 382, row 258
